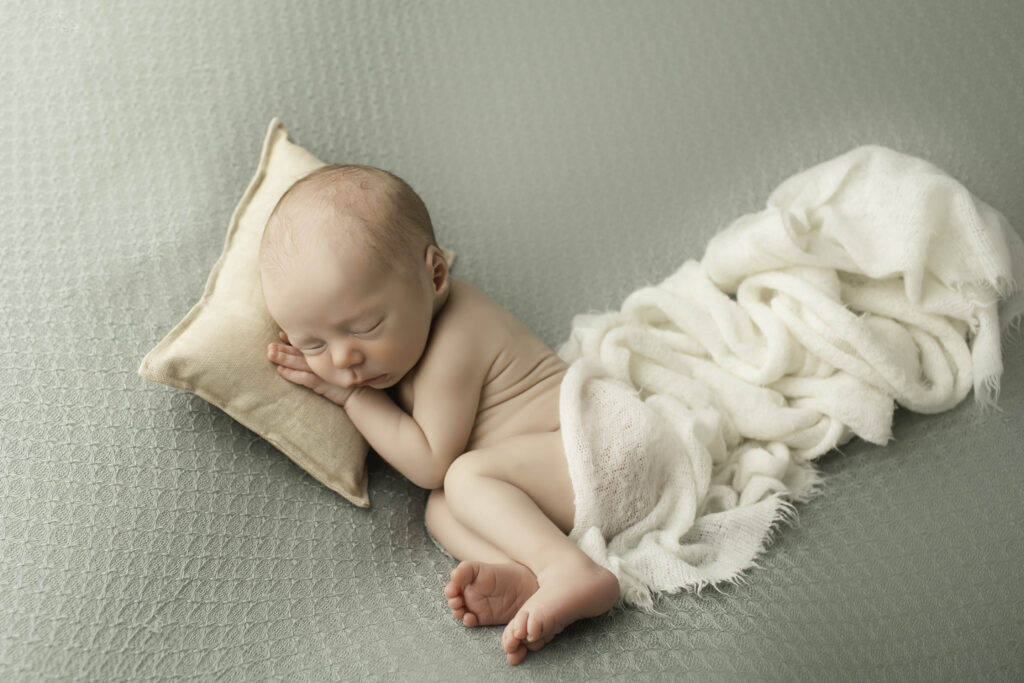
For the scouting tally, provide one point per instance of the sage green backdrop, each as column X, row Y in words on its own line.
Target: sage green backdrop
column 570, row 152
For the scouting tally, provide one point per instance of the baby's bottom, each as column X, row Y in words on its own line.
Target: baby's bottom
column 506, row 509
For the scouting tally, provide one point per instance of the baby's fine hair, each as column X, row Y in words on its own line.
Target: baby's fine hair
column 399, row 229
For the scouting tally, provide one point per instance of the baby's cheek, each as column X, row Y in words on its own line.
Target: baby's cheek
column 317, row 363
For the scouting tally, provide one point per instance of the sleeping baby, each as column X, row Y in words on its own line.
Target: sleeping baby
column 444, row 384
column 657, row 450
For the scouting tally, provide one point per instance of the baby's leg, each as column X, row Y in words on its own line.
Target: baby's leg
column 491, row 587
column 461, row 542
column 518, row 495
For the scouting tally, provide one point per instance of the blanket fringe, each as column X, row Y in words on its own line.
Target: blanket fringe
column 782, row 513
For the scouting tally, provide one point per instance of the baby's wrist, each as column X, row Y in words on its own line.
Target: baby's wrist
column 354, row 393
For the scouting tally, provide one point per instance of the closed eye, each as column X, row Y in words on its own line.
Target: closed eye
column 369, row 330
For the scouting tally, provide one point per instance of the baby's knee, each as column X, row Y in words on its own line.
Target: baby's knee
column 461, row 473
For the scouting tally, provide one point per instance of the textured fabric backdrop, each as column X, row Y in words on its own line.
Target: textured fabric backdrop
column 570, row 152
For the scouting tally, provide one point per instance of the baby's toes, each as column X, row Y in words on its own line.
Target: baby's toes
column 521, row 620
column 536, row 628
column 516, row 656
column 457, row 602
column 537, row 644
column 507, row 638
column 463, row 574
column 514, row 633
column 515, row 649
column 458, row 607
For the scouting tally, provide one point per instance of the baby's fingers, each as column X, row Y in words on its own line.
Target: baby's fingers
column 306, row 379
column 288, row 356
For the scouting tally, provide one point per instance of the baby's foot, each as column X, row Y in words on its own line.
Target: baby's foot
column 568, row 592
column 482, row 594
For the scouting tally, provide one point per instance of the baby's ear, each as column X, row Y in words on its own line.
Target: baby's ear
column 438, row 265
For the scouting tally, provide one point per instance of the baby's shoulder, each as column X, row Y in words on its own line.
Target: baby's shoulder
column 466, row 304
column 466, row 331
column 469, row 320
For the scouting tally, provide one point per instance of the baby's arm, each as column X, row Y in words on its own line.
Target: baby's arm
column 421, row 446
column 447, row 388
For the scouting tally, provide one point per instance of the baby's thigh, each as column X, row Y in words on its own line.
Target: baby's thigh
column 534, row 463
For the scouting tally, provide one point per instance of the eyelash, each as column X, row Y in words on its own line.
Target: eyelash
column 355, row 334
column 369, row 330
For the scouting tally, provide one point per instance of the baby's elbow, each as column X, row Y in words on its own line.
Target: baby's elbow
column 430, row 481
column 433, row 477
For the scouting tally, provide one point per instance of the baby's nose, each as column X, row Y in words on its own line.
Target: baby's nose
column 344, row 356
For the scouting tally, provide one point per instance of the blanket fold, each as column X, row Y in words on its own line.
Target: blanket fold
column 691, row 417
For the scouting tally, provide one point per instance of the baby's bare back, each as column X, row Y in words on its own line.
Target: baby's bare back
column 520, row 389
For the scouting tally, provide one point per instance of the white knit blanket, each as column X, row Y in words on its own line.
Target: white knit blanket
column 690, row 418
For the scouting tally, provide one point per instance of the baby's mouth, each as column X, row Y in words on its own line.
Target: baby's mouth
column 371, row 380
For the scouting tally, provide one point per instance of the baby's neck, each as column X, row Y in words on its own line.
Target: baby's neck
column 440, row 303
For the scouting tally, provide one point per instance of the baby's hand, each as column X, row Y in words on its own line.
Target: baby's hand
column 292, row 365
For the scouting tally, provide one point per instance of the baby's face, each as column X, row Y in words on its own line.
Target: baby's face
column 355, row 322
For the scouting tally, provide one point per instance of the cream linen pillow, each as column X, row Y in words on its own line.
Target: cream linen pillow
column 218, row 350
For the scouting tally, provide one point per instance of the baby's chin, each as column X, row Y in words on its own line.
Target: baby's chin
column 384, row 382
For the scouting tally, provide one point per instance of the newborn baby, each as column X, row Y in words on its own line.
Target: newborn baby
column 447, row 386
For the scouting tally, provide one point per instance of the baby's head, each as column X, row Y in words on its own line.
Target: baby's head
column 351, row 272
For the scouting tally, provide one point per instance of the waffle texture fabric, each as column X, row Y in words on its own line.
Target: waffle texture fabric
column 570, row 152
